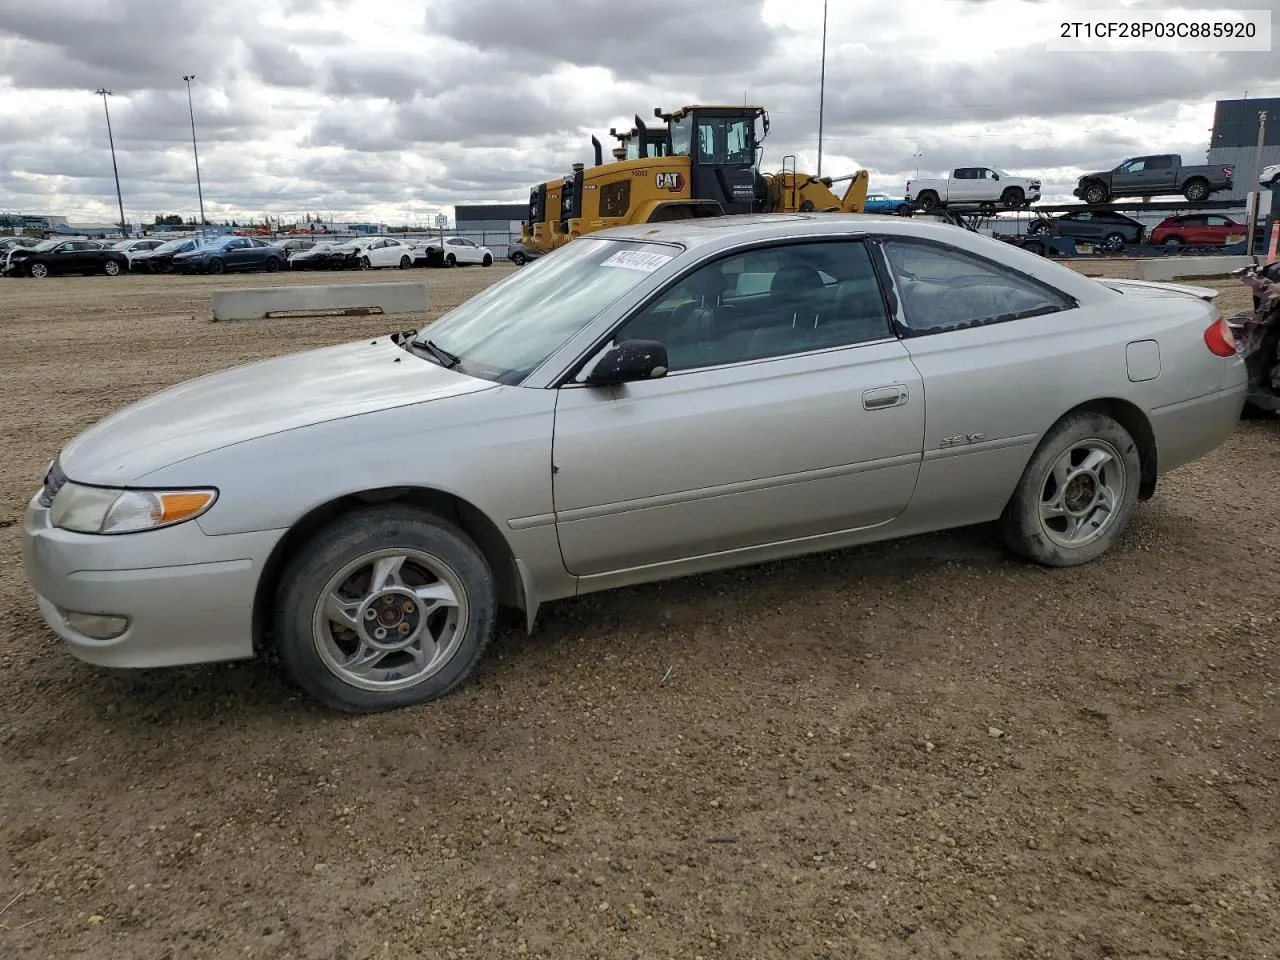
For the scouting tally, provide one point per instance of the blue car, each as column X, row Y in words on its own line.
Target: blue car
column 882, row 203
column 221, row 254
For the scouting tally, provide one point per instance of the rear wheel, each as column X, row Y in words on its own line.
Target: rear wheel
column 405, row 263
column 1077, row 493
column 272, row 264
column 111, row 268
column 517, row 258
column 451, row 261
column 1196, row 190
column 1113, row 242
column 387, row 607
column 928, row 201
column 1096, row 193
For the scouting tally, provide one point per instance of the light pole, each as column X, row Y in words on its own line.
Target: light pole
column 916, row 156
column 822, row 84
column 194, row 152
column 104, row 93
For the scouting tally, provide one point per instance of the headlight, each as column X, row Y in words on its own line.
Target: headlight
column 99, row 510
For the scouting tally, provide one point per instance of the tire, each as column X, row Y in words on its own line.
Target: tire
column 217, row 266
column 904, row 210
column 1096, row 193
column 38, row 270
column 517, row 258
column 405, row 263
column 111, row 268
column 1021, row 525
column 272, row 264
column 1113, row 241
column 1172, row 243
column 1013, row 197
column 365, row 264
column 1196, row 190
column 928, row 201
column 451, row 261
column 487, row 261
column 305, row 640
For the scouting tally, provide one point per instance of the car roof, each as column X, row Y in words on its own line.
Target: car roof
column 739, row 228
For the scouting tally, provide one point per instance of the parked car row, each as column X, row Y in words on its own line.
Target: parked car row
column 1157, row 175
column 1113, row 230
column 372, row 253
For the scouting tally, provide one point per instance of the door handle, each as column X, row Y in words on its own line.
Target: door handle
column 880, row 398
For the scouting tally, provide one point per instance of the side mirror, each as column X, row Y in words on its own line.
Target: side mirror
column 995, row 176
column 627, row 361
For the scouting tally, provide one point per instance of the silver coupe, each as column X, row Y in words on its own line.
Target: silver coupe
column 646, row 402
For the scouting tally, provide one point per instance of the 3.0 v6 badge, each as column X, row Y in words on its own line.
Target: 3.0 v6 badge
column 962, row 438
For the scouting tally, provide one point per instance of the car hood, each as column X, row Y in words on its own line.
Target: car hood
column 255, row 400
column 1152, row 288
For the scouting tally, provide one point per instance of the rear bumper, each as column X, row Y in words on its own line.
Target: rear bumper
column 1188, row 430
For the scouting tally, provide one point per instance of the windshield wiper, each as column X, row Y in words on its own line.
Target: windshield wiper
column 447, row 359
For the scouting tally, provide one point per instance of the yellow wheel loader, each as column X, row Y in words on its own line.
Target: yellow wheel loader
column 703, row 163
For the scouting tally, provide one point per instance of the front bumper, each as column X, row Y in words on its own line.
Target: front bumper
column 188, row 597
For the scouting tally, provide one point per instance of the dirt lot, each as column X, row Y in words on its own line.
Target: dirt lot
column 922, row 749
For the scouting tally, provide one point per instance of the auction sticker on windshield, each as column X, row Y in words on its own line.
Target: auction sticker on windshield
column 636, row 260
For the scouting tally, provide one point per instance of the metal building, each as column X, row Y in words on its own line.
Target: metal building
column 492, row 225
column 1234, row 141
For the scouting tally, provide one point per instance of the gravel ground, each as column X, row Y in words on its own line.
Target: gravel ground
column 924, row 748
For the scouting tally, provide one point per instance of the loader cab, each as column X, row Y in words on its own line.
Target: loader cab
column 723, row 146
column 571, row 198
column 642, row 142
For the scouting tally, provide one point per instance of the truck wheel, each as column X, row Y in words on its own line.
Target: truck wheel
column 1196, row 190
column 1077, row 493
column 1012, row 197
column 928, row 201
column 385, row 608
column 1096, row 193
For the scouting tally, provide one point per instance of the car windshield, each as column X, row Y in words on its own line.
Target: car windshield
column 505, row 332
column 44, row 246
column 171, row 245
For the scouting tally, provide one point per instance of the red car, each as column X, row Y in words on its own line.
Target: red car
column 1199, row 229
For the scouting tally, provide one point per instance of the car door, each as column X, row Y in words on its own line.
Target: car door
column 989, row 383
column 1158, row 174
column 963, row 186
column 392, row 251
column 1129, row 176
column 1078, row 226
column 789, row 411
column 65, row 258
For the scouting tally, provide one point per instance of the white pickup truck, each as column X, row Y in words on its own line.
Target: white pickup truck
column 976, row 185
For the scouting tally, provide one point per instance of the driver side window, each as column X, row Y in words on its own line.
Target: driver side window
column 770, row 302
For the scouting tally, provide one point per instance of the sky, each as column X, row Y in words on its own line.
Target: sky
column 395, row 110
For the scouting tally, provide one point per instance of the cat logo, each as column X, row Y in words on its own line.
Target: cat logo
column 669, row 181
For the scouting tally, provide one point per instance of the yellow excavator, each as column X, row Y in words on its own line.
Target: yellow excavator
column 704, row 162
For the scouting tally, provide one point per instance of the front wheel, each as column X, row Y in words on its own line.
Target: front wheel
column 1172, row 243
column 1077, row 493
column 217, row 266
column 1012, row 197
column 487, row 261
column 387, row 607
column 1095, row 194
column 365, row 264
column 38, row 270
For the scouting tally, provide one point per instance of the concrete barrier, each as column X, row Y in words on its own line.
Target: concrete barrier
column 258, row 303
column 1169, row 268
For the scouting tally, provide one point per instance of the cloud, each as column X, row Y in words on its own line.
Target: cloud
column 402, row 108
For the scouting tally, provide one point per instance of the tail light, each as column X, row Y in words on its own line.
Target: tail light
column 1219, row 339
column 1228, row 170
